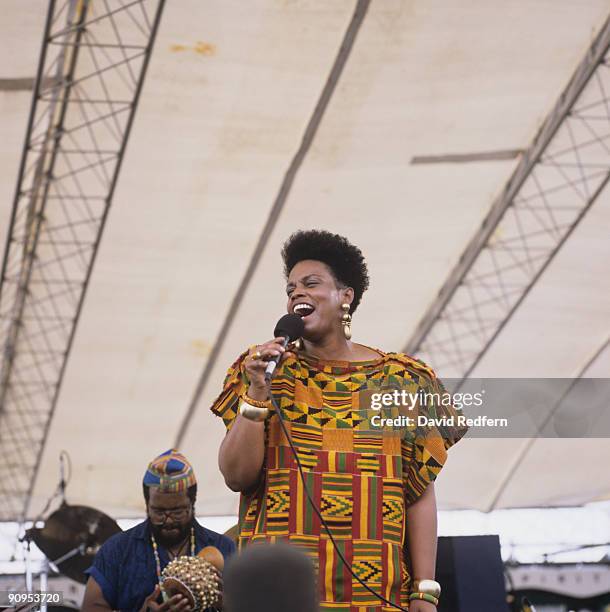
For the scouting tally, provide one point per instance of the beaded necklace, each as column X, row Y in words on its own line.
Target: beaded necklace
column 156, row 551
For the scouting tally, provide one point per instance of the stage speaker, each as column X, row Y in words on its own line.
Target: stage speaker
column 471, row 574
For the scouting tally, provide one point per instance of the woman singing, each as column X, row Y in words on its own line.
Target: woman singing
column 374, row 488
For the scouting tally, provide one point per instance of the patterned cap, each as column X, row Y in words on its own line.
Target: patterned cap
column 170, row 472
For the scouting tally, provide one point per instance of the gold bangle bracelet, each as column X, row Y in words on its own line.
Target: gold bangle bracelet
column 428, row 586
column 257, row 403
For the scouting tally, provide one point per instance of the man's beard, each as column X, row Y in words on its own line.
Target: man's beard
column 167, row 539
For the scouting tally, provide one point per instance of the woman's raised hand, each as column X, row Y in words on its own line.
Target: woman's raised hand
column 256, row 362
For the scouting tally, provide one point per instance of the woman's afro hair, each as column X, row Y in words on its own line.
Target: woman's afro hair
column 345, row 260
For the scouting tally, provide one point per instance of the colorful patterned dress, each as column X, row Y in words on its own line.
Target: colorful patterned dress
column 361, row 477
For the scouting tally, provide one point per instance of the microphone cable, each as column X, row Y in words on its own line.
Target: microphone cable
column 319, row 514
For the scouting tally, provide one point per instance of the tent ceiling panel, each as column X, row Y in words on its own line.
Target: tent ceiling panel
column 223, row 111
column 452, row 78
column 546, row 477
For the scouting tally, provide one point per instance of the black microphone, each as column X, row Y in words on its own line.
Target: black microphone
column 291, row 327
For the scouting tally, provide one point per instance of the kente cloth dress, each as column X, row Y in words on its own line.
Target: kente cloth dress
column 361, row 477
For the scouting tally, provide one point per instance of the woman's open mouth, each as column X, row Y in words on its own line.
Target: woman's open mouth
column 303, row 309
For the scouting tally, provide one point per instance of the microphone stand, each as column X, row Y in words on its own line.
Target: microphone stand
column 28, row 563
column 44, row 573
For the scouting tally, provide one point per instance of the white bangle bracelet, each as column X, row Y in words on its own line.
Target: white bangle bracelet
column 253, row 413
column 428, row 586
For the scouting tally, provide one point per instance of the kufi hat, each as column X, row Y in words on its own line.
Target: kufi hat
column 170, row 472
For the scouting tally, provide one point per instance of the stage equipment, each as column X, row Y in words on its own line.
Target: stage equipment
column 71, row 536
column 471, row 573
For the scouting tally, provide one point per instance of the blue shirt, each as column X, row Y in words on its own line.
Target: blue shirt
column 125, row 566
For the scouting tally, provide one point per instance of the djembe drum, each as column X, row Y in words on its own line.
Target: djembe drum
column 196, row 578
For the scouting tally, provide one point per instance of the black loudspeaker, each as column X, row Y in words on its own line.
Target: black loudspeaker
column 471, row 574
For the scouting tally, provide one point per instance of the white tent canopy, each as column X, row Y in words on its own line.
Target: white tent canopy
column 230, row 91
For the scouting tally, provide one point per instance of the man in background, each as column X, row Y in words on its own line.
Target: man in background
column 126, row 571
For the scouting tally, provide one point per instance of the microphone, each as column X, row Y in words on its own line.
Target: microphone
column 62, row 478
column 527, row 606
column 291, row 327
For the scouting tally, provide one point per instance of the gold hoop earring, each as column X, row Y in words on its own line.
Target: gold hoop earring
column 346, row 321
